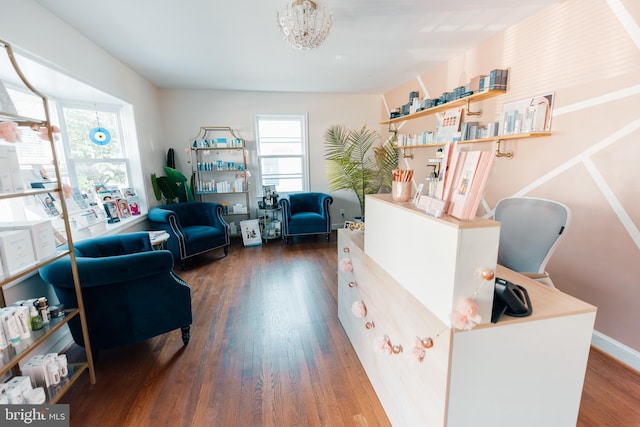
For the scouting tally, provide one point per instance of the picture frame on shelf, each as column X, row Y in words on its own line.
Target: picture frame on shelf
column 527, row 115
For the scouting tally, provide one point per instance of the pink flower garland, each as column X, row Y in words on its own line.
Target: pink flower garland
column 465, row 316
column 359, row 309
column 418, row 351
column 9, row 132
column 382, row 345
column 346, row 265
column 43, row 132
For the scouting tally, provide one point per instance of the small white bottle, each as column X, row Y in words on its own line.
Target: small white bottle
column 53, row 373
column 63, row 367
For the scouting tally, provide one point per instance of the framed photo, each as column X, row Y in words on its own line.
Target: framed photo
column 48, row 204
column 111, row 209
column 250, row 230
column 124, row 208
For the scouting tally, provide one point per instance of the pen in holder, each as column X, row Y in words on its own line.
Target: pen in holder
column 401, row 185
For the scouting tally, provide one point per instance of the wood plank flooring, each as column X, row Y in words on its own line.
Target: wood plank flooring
column 267, row 349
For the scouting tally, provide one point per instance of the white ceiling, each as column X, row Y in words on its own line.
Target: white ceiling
column 373, row 46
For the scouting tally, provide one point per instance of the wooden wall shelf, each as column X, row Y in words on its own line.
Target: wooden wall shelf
column 497, row 139
column 479, row 96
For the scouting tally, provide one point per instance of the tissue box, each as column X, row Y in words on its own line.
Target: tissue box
column 16, row 250
column 42, row 240
column 239, row 209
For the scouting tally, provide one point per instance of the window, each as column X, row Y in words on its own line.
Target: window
column 83, row 164
column 89, row 163
column 282, row 151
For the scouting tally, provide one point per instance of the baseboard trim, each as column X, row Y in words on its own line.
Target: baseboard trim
column 617, row 350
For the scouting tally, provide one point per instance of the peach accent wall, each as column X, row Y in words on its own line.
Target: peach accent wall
column 588, row 54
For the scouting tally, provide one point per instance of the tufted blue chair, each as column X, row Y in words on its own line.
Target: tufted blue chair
column 306, row 213
column 130, row 291
column 194, row 228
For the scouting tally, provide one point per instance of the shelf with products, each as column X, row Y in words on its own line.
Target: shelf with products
column 219, row 192
column 497, row 139
column 13, row 354
column 55, row 393
column 15, row 127
column 10, row 277
column 219, row 167
column 27, row 193
column 466, row 101
column 481, row 140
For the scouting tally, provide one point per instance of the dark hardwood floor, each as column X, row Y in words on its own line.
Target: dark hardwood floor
column 267, row 349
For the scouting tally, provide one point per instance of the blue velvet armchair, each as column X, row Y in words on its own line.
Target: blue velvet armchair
column 130, row 291
column 306, row 213
column 194, row 228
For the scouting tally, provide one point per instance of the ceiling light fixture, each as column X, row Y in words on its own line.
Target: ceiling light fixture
column 303, row 25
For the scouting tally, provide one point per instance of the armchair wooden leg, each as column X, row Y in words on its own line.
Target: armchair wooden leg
column 327, row 237
column 226, row 250
column 183, row 265
column 186, row 334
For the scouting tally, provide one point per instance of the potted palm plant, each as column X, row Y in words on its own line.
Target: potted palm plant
column 358, row 162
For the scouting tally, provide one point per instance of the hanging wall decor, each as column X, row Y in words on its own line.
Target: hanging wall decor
column 99, row 135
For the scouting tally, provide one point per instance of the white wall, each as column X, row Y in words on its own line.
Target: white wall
column 184, row 111
column 32, row 29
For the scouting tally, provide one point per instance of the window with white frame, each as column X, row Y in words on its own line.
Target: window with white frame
column 282, row 151
column 91, row 163
column 83, row 163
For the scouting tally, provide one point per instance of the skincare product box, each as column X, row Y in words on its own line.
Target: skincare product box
column 16, row 250
column 6, row 185
column 41, row 232
column 16, row 388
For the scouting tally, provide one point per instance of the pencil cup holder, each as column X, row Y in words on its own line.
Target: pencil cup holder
column 401, row 191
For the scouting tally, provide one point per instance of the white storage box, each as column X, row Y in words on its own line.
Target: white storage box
column 20, row 383
column 42, row 239
column 17, row 182
column 5, row 176
column 239, row 209
column 16, row 250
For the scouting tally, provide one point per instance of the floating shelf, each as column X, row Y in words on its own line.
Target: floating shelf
column 478, row 96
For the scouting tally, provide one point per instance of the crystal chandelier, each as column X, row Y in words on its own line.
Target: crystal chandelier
column 303, row 25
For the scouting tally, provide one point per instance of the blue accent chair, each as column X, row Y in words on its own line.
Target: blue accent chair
column 194, row 228
column 130, row 291
column 305, row 214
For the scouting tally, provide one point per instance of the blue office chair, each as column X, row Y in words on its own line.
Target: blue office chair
column 530, row 230
column 306, row 214
column 130, row 291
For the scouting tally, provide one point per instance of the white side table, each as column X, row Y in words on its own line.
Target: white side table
column 158, row 239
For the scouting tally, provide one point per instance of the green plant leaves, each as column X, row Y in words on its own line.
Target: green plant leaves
column 357, row 162
column 173, row 188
